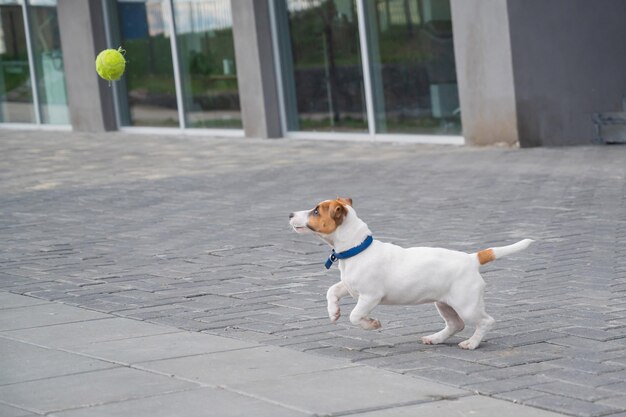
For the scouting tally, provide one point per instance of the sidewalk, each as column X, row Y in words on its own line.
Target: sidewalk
column 191, row 234
column 59, row 360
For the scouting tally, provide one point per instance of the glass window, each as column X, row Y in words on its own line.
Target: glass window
column 204, row 34
column 16, row 99
column 148, row 92
column 412, row 66
column 322, row 71
column 48, row 59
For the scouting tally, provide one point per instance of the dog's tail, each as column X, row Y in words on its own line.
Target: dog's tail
column 491, row 254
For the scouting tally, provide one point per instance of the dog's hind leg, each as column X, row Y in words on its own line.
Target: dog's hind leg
column 454, row 324
column 468, row 302
column 482, row 327
column 359, row 314
column 478, row 317
column 334, row 294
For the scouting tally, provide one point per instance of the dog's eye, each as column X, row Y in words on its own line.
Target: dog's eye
column 316, row 212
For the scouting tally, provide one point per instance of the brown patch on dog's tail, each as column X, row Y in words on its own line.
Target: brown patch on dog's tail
column 491, row 254
column 486, row 256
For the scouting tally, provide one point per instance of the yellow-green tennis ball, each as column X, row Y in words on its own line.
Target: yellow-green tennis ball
column 110, row 64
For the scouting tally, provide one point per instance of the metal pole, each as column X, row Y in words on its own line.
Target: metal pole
column 278, row 66
column 31, row 63
column 365, row 61
column 109, row 38
column 178, row 82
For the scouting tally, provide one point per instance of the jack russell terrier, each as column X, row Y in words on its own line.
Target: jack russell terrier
column 375, row 273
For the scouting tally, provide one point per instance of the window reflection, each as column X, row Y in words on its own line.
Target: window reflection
column 207, row 56
column 412, row 66
column 16, row 100
column 322, row 67
column 148, row 84
column 48, row 60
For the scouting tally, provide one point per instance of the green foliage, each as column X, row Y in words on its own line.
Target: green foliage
column 15, row 73
column 217, row 123
column 309, row 33
column 150, row 65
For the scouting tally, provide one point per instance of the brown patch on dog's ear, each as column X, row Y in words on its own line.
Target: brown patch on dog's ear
column 338, row 212
column 346, row 201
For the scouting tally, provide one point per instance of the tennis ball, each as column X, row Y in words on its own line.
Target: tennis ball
column 110, row 64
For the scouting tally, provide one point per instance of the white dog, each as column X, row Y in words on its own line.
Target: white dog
column 375, row 273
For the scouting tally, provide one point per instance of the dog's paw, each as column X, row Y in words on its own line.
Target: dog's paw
column 430, row 340
column 334, row 314
column 468, row 344
column 371, row 324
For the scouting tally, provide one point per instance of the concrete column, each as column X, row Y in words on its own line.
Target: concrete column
column 484, row 69
column 90, row 98
column 256, row 73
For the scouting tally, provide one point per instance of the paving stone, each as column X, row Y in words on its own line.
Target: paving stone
column 448, row 376
column 525, row 339
column 8, row 300
column 344, row 353
column 536, row 368
column 499, row 386
column 195, row 402
column 87, row 389
column 149, row 348
column 94, row 331
column 575, row 376
column 233, row 367
column 580, row 392
column 42, row 315
column 475, row 405
column 22, row 362
column 571, row 406
column 590, row 333
column 616, row 387
column 365, row 388
column 9, row 411
column 519, row 396
column 591, row 367
column 618, row 402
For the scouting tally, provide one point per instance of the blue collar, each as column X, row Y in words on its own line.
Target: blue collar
column 349, row 253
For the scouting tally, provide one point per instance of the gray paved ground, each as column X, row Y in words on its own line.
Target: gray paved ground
column 64, row 361
column 192, row 233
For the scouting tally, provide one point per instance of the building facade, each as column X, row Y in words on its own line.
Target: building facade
column 478, row 72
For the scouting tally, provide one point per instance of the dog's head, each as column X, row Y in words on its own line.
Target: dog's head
column 324, row 219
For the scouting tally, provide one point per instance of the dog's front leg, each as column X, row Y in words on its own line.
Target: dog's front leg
column 334, row 294
column 359, row 314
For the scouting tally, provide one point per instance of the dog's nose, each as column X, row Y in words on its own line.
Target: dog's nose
column 291, row 215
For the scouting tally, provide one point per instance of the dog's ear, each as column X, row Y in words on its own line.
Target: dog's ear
column 346, row 201
column 338, row 212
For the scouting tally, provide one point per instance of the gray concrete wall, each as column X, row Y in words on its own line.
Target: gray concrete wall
column 484, row 71
column 256, row 73
column 569, row 61
column 82, row 37
column 535, row 71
